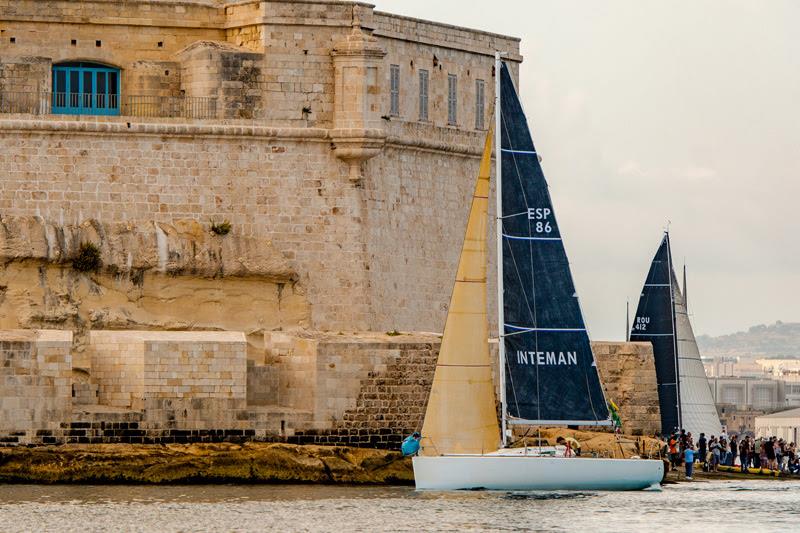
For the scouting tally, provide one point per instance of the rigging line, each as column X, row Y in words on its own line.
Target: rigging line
column 514, row 215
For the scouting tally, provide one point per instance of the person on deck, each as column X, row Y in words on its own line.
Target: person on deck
column 410, row 445
column 734, row 451
column 572, row 445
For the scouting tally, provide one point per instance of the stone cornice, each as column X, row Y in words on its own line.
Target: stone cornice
column 90, row 127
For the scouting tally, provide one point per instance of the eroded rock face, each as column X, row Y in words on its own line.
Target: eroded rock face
column 154, row 276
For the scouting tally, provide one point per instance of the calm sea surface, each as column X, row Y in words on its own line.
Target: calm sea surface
column 700, row 506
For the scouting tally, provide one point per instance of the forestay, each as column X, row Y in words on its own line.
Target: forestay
column 551, row 376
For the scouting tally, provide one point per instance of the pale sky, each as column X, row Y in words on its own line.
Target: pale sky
column 644, row 112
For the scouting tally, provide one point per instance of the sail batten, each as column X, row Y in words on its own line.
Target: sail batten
column 550, row 375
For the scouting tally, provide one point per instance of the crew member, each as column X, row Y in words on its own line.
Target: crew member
column 572, row 445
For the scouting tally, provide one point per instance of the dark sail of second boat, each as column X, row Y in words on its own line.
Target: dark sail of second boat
column 655, row 322
column 550, row 371
column 662, row 319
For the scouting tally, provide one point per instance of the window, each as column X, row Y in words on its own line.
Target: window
column 733, row 395
column 479, row 104
column 423, row 95
column 85, row 89
column 762, row 396
column 452, row 82
column 394, row 75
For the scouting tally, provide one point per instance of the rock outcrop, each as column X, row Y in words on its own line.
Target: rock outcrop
column 153, row 276
column 203, row 463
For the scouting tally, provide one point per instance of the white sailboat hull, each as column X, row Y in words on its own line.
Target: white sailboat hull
column 519, row 472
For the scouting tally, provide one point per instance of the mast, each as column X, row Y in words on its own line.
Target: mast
column 674, row 335
column 685, row 292
column 627, row 320
column 499, row 234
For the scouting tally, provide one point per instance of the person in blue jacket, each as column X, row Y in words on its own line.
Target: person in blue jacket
column 410, row 445
column 688, row 456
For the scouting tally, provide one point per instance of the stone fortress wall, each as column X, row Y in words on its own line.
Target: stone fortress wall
column 335, row 188
column 346, row 219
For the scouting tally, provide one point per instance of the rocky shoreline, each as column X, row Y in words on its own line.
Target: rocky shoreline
column 258, row 462
column 202, row 463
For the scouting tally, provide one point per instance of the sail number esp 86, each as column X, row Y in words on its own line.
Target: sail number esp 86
column 541, row 216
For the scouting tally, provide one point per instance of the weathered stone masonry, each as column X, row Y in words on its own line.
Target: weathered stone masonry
column 273, row 116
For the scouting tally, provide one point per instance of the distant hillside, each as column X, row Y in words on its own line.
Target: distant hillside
column 777, row 340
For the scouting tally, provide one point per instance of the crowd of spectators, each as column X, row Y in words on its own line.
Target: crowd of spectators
column 743, row 452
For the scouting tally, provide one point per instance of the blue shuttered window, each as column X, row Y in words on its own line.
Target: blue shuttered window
column 85, row 89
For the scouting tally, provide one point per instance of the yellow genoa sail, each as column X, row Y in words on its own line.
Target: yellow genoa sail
column 461, row 416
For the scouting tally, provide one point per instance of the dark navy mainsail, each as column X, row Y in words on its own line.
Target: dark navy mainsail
column 655, row 322
column 551, row 376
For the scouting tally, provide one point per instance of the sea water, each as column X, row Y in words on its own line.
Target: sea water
column 768, row 505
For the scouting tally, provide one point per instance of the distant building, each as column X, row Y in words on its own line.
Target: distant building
column 759, row 393
column 784, row 424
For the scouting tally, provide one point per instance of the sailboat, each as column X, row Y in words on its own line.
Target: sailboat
column 662, row 318
column 547, row 371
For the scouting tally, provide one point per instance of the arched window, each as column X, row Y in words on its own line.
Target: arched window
column 85, row 89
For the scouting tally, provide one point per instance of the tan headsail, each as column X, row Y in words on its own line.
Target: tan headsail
column 461, row 416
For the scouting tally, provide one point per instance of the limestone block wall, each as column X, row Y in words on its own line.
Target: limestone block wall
column 117, row 368
column 24, row 75
column 287, row 189
column 35, row 386
column 133, row 367
column 627, row 371
column 153, row 78
column 364, row 389
column 229, row 73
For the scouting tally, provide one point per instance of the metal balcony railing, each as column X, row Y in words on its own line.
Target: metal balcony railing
column 46, row 103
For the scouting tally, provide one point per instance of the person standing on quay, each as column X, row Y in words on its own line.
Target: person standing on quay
column 715, row 453
column 734, row 451
column 702, row 448
column 744, row 453
column 673, row 452
column 689, row 458
column 756, row 452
